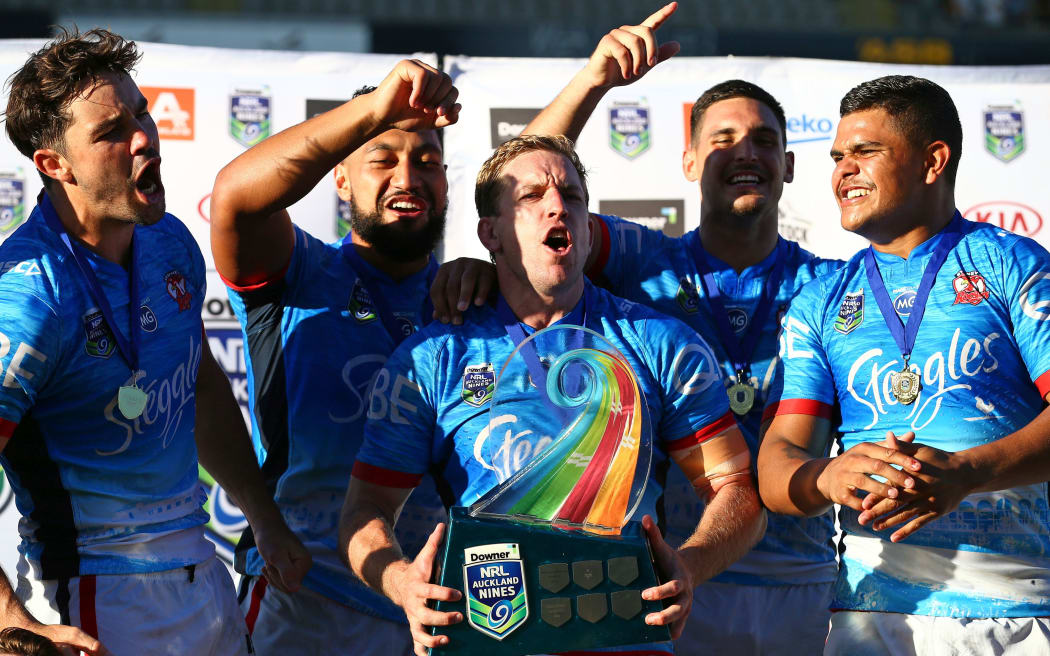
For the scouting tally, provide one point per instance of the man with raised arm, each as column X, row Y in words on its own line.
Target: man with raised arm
column 775, row 599
column 531, row 196
column 940, row 328
column 319, row 321
column 109, row 390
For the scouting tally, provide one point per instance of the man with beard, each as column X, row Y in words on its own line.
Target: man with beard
column 319, row 321
column 939, row 327
column 775, row 599
column 425, row 415
column 109, row 389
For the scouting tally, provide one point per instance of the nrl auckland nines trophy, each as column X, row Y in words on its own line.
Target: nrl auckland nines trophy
column 548, row 559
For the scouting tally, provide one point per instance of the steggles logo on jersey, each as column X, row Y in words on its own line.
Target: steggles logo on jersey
column 516, row 447
column 969, row 288
column 177, row 289
column 360, row 304
column 495, row 584
column 868, row 381
column 851, row 312
column 100, row 342
column 688, row 297
column 479, row 381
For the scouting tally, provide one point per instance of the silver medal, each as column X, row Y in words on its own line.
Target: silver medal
column 905, row 385
column 131, row 401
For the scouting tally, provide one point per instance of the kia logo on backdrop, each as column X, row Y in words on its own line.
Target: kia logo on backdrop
column 667, row 216
column 1008, row 215
column 508, row 122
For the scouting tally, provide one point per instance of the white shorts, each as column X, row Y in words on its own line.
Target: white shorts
column 746, row 620
column 309, row 623
column 190, row 610
column 871, row 633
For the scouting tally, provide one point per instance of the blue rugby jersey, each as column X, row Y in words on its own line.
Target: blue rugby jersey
column 99, row 493
column 313, row 343
column 983, row 353
column 648, row 267
column 423, row 415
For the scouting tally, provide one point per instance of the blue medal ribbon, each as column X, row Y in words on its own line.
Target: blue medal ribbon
column 517, row 335
column 904, row 335
column 741, row 350
column 379, row 301
column 128, row 350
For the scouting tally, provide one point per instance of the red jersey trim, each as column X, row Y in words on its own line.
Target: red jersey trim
column 797, row 407
column 1042, row 384
column 386, row 477
column 7, row 429
column 259, row 285
column 719, row 426
column 603, row 255
column 88, row 618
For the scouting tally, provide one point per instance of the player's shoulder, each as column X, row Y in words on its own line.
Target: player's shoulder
column 33, row 260
column 807, row 265
column 633, row 234
column 648, row 326
column 995, row 241
column 436, row 339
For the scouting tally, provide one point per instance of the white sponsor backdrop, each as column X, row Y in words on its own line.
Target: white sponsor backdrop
column 190, row 91
column 810, row 90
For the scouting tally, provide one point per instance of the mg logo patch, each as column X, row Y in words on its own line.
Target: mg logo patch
column 738, row 319
column 495, row 583
column 687, row 297
column 904, row 302
column 851, row 313
column 100, row 342
column 479, row 381
column 1004, row 132
column 360, row 304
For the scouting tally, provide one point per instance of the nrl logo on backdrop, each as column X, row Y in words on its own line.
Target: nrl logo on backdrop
column 851, row 312
column 360, row 304
column 12, row 201
column 342, row 217
column 629, row 128
column 250, row 116
column 688, row 298
column 100, row 342
column 495, row 583
column 479, row 381
column 1004, row 131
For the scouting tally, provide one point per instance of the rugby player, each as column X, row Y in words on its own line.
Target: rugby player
column 110, row 390
column 943, row 549
column 531, row 196
column 319, row 321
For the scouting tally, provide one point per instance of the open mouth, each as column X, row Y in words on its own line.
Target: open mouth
column 853, row 193
column 558, row 240
column 148, row 183
column 744, row 178
column 406, row 205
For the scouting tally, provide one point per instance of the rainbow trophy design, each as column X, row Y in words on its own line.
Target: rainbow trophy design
column 548, row 559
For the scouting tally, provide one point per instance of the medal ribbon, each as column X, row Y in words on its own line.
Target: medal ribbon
column 129, row 351
column 740, row 350
column 382, row 307
column 528, row 352
column 903, row 335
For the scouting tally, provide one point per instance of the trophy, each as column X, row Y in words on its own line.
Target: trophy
column 548, row 559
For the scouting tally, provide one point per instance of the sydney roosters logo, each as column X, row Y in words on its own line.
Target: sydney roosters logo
column 176, row 285
column 969, row 288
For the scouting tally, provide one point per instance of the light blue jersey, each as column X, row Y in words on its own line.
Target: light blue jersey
column 648, row 267
column 982, row 352
column 99, row 493
column 314, row 341
column 427, row 413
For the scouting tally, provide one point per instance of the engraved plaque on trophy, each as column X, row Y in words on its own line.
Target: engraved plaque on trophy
column 548, row 560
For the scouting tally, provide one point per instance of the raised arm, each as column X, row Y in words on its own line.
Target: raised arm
column 622, row 56
column 251, row 232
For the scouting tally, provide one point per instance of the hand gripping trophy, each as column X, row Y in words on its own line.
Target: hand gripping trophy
column 549, row 559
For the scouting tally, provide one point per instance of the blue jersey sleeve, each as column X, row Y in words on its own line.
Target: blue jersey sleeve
column 627, row 249
column 1027, row 282
column 695, row 405
column 30, row 346
column 803, row 383
column 401, row 417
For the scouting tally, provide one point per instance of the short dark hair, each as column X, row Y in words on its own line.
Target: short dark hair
column 490, row 182
column 41, row 91
column 368, row 88
column 922, row 111
column 735, row 89
column 15, row 640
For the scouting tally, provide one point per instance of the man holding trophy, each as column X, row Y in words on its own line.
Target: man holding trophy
column 430, row 412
